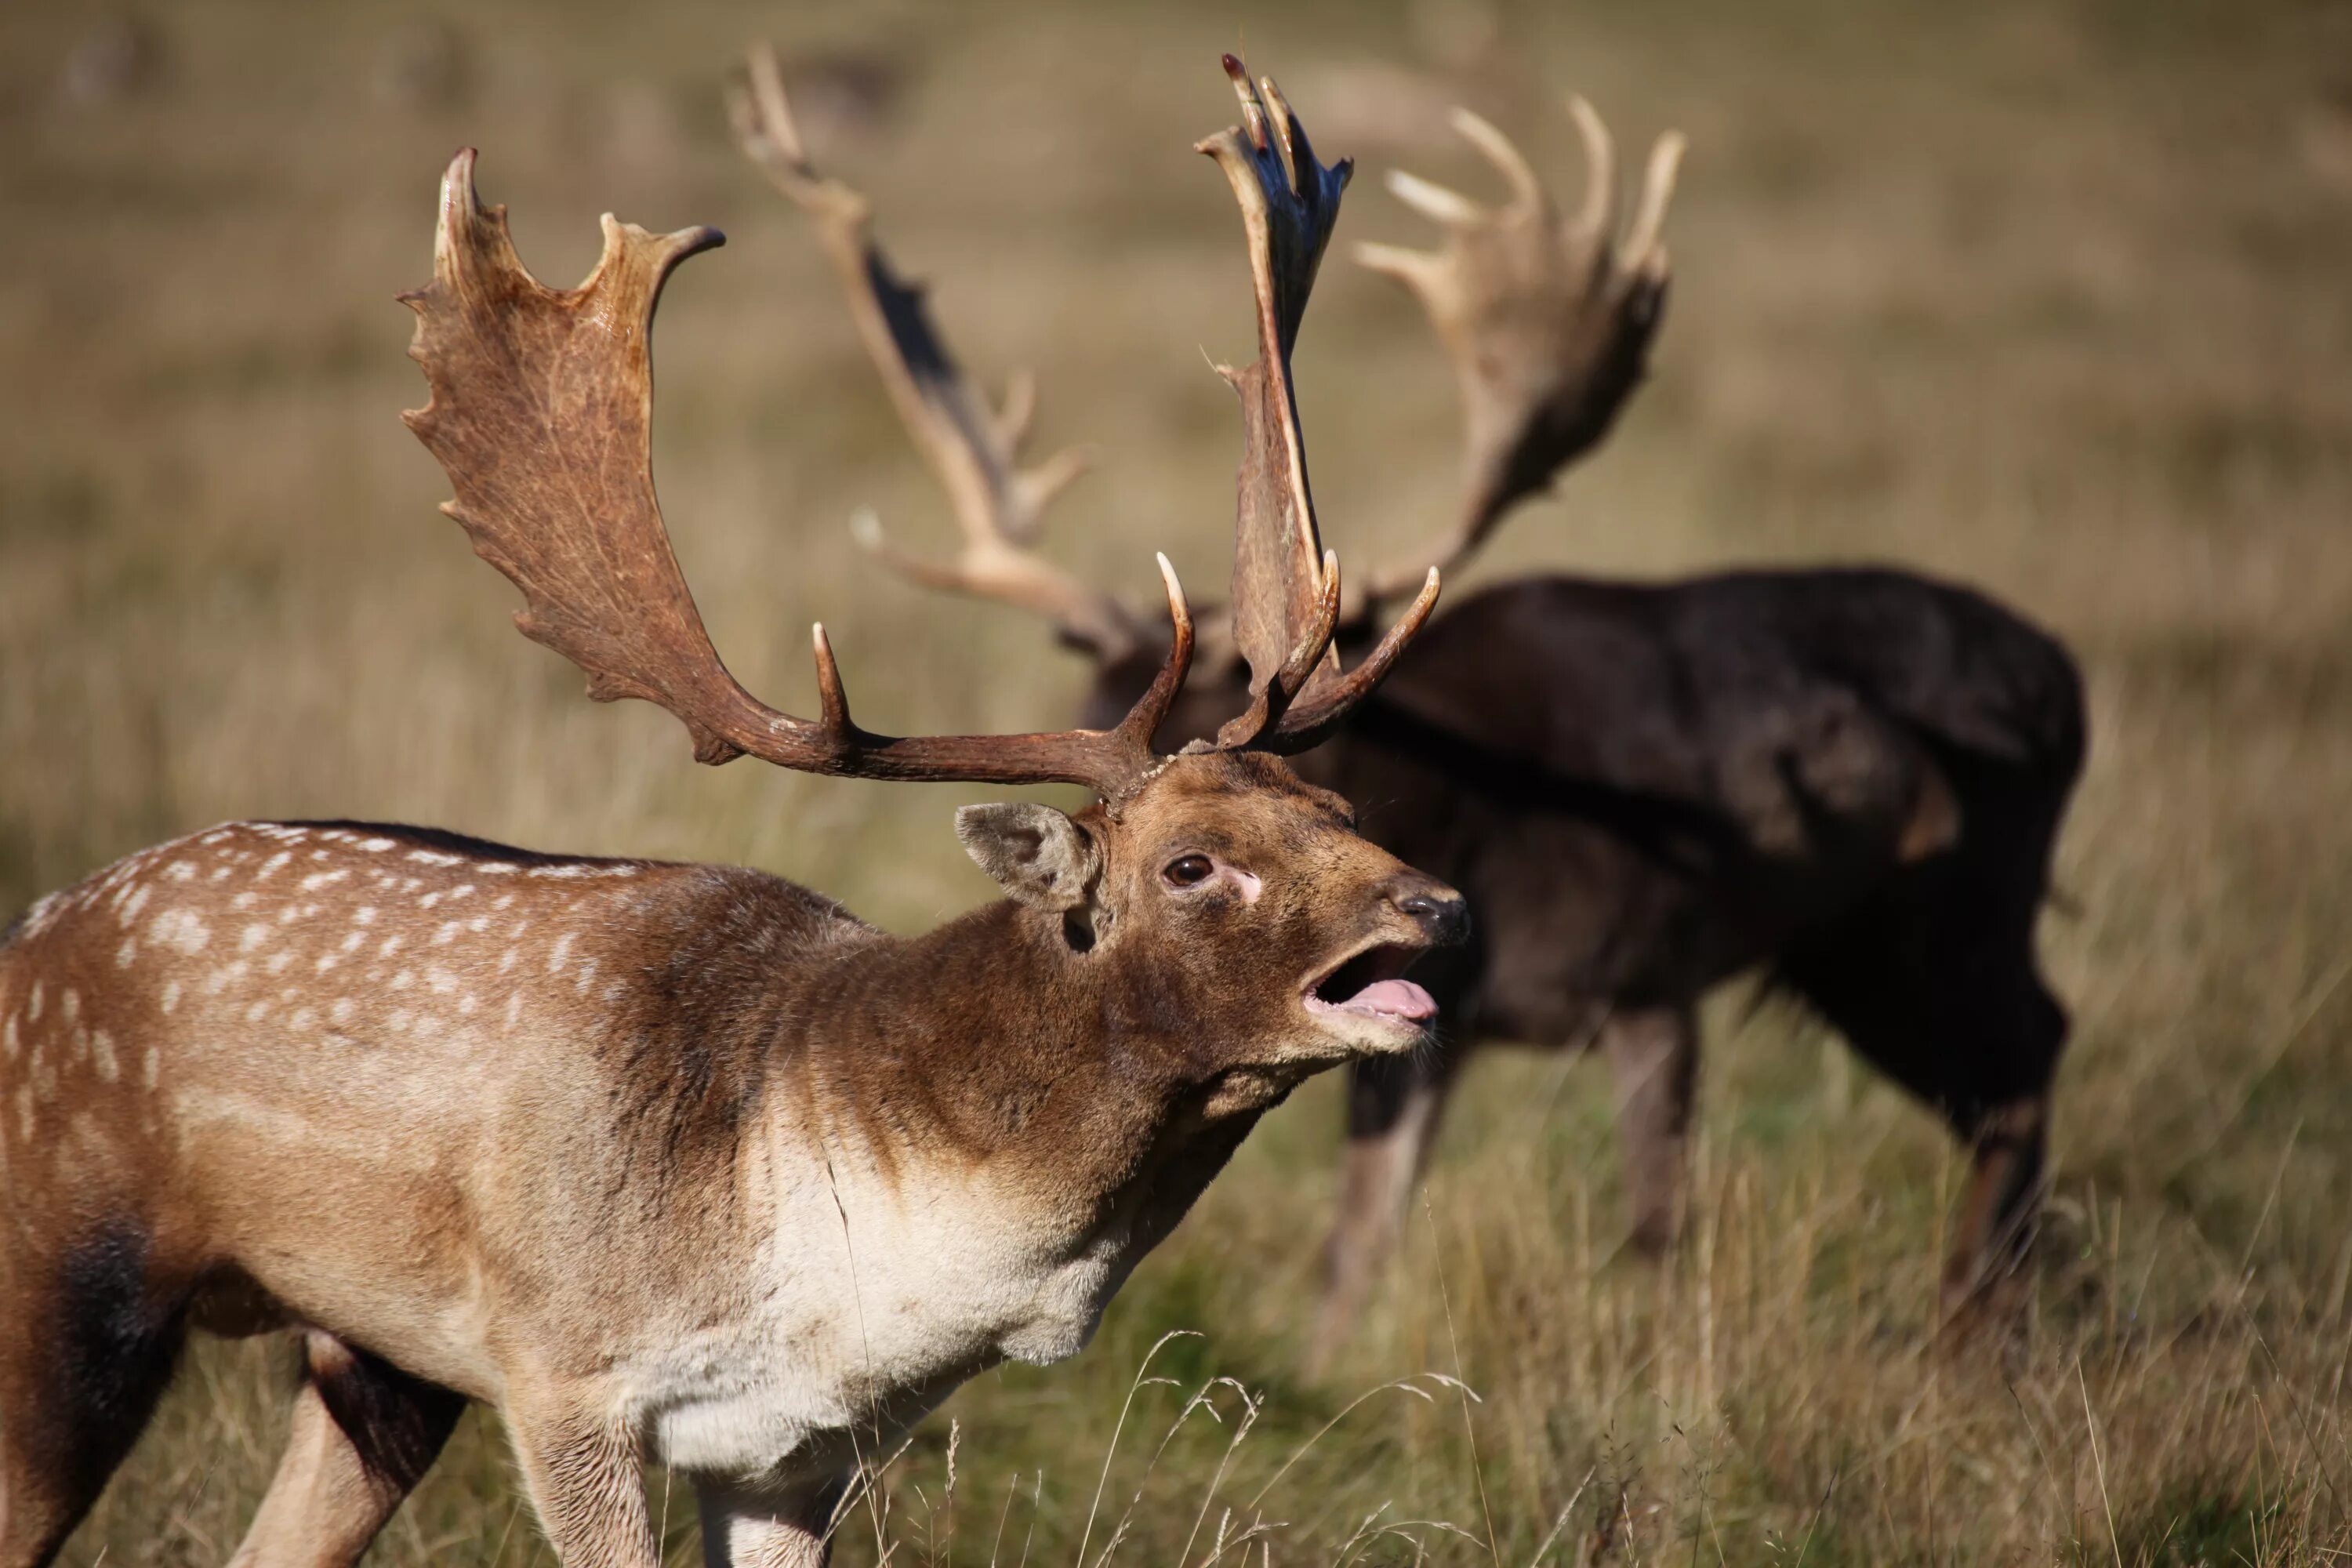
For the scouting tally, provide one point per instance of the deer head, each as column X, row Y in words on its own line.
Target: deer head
column 541, row 411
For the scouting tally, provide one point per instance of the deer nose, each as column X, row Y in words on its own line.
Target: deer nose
column 1440, row 912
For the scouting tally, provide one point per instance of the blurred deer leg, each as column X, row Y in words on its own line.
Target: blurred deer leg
column 1393, row 1107
column 1655, row 1054
column 364, row 1434
column 761, row 1531
column 1985, row 1270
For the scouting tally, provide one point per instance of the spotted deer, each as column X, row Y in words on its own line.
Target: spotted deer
column 1852, row 779
column 680, row 1163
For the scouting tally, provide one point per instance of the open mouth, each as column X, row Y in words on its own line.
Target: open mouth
column 1371, row 984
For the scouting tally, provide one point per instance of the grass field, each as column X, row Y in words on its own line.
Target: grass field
column 2056, row 299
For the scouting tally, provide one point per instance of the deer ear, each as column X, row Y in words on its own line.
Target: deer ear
column 1036, row 854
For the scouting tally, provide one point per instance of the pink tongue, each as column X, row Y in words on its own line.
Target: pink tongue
column 1398, row 998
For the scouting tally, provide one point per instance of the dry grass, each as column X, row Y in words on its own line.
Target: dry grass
column 2048, row 296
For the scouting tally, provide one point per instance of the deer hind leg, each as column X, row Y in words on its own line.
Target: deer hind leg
column 1393, row 1107
column 364, row 1434
column 1654, row 1052
column 88, row 1347
column 1985, row 1269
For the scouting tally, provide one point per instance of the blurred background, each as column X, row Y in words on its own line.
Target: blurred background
column 2052, row 298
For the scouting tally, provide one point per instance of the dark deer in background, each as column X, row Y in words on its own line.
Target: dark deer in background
column 678, row 1163
column 1851, row 778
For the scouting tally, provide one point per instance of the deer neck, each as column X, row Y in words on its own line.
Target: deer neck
column 971, row 1121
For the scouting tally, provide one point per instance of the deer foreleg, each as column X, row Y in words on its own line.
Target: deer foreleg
column 1655, row 1054
column 784, row 1529
column 581, row 1465
column 1392, row 1113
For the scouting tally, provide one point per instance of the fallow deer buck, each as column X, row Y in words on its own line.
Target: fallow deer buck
column 1852, row 778
column 680, row 1163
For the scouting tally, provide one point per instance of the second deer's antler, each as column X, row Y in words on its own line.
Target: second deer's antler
column 1547, row 319
column 975, row 450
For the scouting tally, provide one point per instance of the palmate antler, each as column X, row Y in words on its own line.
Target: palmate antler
column 541, row 407
column 541, row 413
column 1547, row 319
column 1287, row 594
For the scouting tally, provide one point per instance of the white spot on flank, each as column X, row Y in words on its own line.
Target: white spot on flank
column 220, row 874
column 391, row 945
column 216, row 835
column 587, row 975
column 434, row 858
column 502, row 900
column 279, row 959
column 428, row 900
column 150, row 1066
column 446, row 932
column 340, row 1011
column 375, row 846
column 304, row 1017
column 33, row 1004
column 71, row 1004
column 326, row 961
column 253, row 936
column 567, row 869
column 270, row 867
column 8, row 1041
column 242, row 902
column 317, row 879
column 558, row 953
column 507, row 959
column 179, row 929
column 479, row 924
column 402, row 981
column 135, row 901
column 179, row 872
column 171, row 997
column 221, row 979
column 364, row 915
column 126, row 953
column 440, row 980
column 351, row 943
column 498, row 869
column 255, row 1014
column 102, row 1051
column 514, row 1008
column 318, row 854
column 467, row 1005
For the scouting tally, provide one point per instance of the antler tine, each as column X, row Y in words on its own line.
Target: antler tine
column 1548, row 320
column 974, row 449
column 541, row 414
column 1597, row 215
column 1288, row 203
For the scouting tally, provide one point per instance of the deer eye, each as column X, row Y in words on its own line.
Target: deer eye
column 1188, row 870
